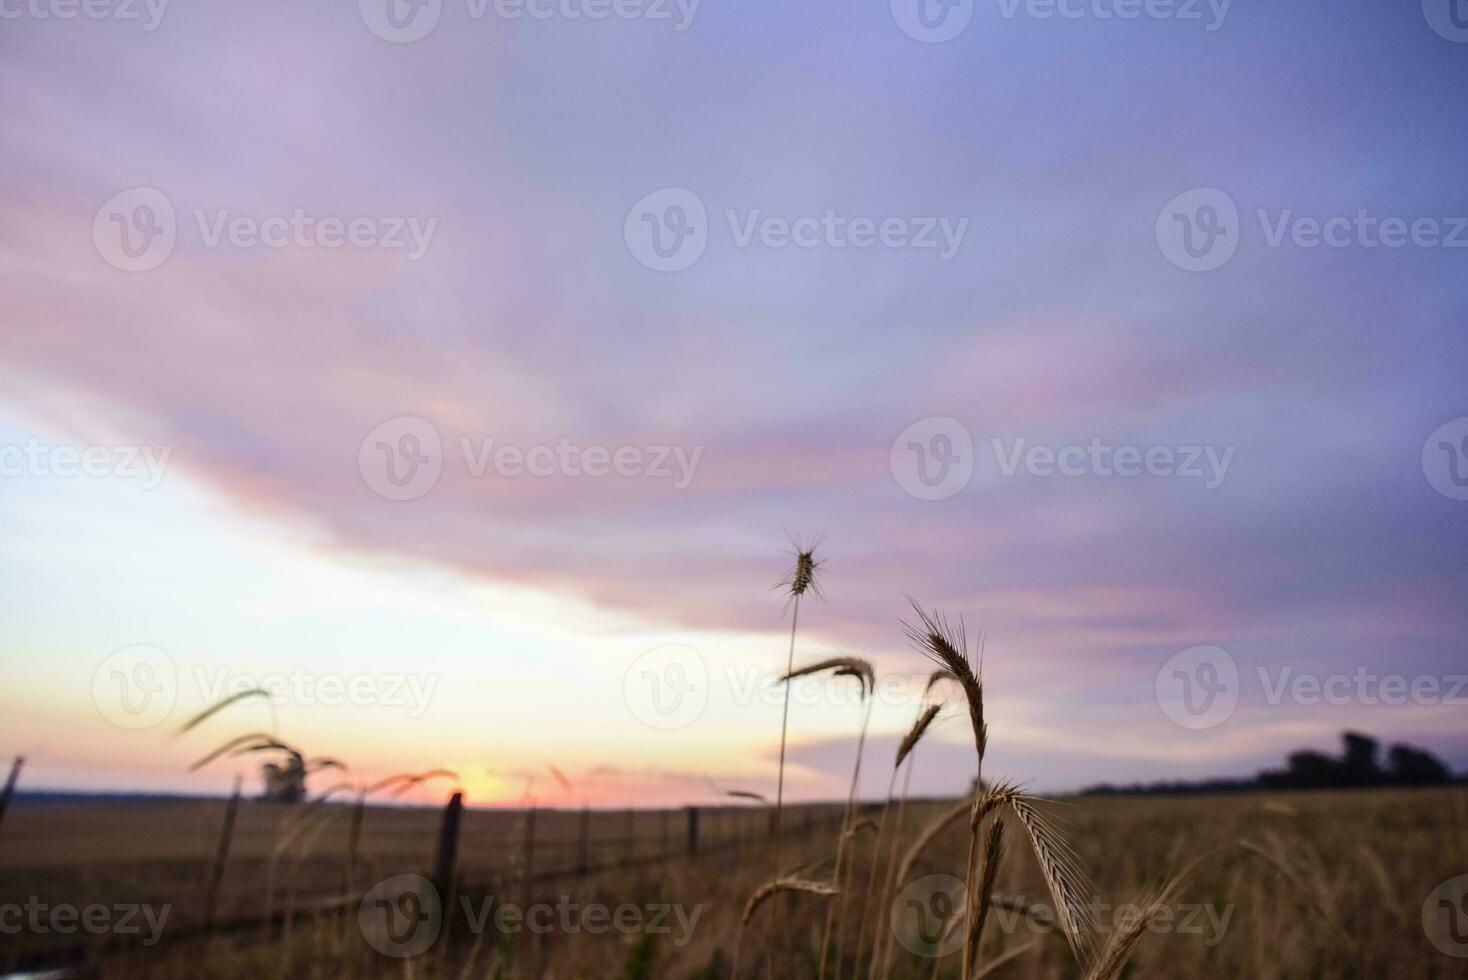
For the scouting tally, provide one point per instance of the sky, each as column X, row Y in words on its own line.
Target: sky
column 462, row 372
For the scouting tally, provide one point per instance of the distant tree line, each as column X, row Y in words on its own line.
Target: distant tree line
column 1358, row 765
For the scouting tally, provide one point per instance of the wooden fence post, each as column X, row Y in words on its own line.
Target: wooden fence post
column 667, row 834
column 221, row 856
column 9, row 790
column 630, row 849
column 448, row 849
column 529, row 859
column 692, row 830
column 583, row 861
column 354, row 842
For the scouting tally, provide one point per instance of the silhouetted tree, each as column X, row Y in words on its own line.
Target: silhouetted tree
column 1414, row 767
column 1308, row 769
column 1359, row 762
column 1315, row 769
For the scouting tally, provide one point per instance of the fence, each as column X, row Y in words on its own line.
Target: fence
column 216, row 862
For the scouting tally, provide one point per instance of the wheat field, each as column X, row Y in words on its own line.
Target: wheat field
column 1338, row 891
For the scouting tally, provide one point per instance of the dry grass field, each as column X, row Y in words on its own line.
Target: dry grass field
column 1319, row 885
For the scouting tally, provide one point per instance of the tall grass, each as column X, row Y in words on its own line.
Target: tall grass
column 800, row 580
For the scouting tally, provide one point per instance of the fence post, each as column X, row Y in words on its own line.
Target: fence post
column 9, row 790
column 667, row 834
column 221, row 855
column 630, row 848
column 529, row 857
column 354, row 841
column 692, row 829
column 448, row 848
column 583, row 861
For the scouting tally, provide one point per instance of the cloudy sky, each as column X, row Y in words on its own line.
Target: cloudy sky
column 461, row 374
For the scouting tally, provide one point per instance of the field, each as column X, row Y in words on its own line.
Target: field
column 1318, row 884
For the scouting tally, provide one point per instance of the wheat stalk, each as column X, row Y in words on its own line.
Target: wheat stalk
column 993, row 854
column 214, row 709
column 769, row 889
column 1069, row 885
column 777, row 885
column 947, row 647
column 904, row 748
column 744, row 794
column 915, row 734
column 802, row 579
column 836, row 912
column 229, row 747
column 842, row 667
column 1119, row 947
